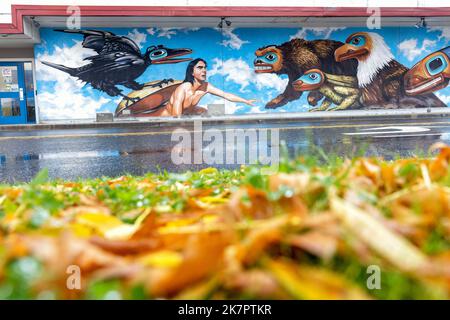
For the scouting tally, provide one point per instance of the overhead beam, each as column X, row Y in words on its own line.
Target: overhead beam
column 19, row 12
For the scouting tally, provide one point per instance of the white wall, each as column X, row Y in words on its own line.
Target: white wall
column 5, row 5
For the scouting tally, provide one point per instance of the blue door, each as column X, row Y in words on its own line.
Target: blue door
column 13, row 109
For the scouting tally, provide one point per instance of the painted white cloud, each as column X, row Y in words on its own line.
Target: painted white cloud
column 71, row 56
column 410, row 49
column 58, row 105
column 66, row 100
column 301, row 33
column 138, row 37
column 323, row 32
column 233, row 107
column 238, row 108
column 169, row 32
column 444, row 98
column 230, row 107
column 239, row 72
column 232, row 40
column 166, row 33
column 294, row 107
column 445, row 32
column 257, row 109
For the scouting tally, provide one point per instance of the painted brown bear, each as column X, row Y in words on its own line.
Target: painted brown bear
column 296, row 57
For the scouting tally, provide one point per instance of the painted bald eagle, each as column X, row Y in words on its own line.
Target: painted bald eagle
column 380, row 76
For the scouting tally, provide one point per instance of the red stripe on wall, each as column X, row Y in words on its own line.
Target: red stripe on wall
column 20, row 11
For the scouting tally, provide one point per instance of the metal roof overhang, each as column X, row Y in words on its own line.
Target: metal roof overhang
column 27, row 19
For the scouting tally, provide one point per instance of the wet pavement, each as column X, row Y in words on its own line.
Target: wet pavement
column 88, row 153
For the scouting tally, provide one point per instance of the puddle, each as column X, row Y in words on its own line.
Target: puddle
column 84, row 154
column 68, row 155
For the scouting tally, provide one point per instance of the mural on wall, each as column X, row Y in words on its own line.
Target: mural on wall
column 175, row 71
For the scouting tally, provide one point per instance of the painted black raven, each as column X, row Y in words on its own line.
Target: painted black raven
column 119, row 61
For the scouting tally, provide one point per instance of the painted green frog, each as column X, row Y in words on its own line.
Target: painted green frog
column 337, row 89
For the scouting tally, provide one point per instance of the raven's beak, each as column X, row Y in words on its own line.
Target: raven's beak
column 173, row 53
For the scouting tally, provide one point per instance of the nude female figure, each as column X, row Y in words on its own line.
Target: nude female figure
column 185, row 98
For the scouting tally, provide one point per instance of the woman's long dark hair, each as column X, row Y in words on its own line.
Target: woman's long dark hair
column 190, row 69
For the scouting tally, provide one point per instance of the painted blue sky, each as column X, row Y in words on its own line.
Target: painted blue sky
column 229, row 53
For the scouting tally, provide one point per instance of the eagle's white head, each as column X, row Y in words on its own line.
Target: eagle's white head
column 371, row 52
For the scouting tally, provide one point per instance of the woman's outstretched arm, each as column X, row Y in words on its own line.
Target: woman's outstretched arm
column 229, row 96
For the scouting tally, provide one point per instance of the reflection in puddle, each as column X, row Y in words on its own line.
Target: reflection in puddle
column 146, row 151
column 28, row 157
column 83, row 154
column 68, row 155
column 446, row 137
column 2, row 159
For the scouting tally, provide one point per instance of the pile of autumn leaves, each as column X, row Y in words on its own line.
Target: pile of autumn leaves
column 310, row 232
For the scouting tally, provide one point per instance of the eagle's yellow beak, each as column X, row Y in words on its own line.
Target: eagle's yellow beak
column 348, row 51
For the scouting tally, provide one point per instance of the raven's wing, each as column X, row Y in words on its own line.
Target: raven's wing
column 112, row 62
column 104, row 42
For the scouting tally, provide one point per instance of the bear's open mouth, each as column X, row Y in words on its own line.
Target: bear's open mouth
column 261, row 68
column 425, row 86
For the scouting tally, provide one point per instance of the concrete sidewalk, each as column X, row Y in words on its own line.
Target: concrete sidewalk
column 229, row 119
